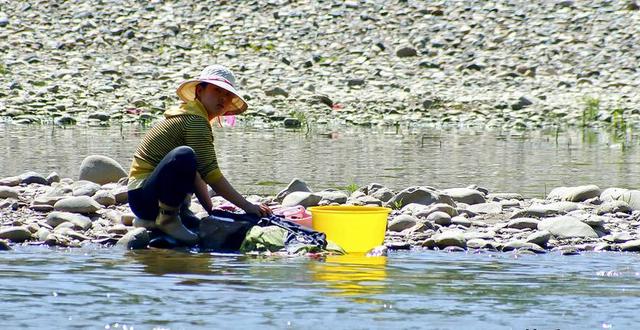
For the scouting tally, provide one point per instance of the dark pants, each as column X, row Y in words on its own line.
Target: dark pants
column 170, row 182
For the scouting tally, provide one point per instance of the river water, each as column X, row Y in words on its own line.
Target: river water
column 108, row 288
column 103, row 288
column 263, row 161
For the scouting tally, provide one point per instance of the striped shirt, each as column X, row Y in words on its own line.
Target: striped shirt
column 187, row 125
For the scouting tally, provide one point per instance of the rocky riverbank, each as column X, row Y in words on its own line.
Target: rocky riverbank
column 501, row 64
column 54, row 211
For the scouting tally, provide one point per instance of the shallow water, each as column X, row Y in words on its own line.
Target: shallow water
column 110, row 288
column 263, row 161
column 94, row 287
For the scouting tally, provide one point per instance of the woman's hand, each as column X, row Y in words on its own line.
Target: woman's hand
column 261, row 210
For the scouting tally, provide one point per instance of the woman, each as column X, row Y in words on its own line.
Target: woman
column 176, row 157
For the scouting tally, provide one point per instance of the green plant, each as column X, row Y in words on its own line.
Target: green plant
column 619, row 127
column 590, row 111
column 351, row 188
column 397, row 204
column 3, row 69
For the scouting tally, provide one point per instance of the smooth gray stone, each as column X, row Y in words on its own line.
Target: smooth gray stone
column 440, row 218
column 631, row 197
column 295, row 185
column 84, row 188
column 137, row 238
column 47, row 200
column 503, row 196
column 55, row 218
column 33, row 177
column 523, row 223
column 486, row 208
column 53, row 177
column 77, row 204
column 9, row 192
column 402, row 222
column 15, row 234
column 518, row 244
column 384, row 194
column 364, row 200
column 461, row 221
column 450, row 238
column 540, row 238
column 276, row 91
column 618, row 237
column 567, row 227
column 10, row 181
column 406, row 52
column 104, row 198
column 479, row 243
column 305, row 199
column 631, row 246
column 121, row 194
column 333, row 196
column 101, row 169
column 614, row 207
column 574, row 194
column 465, row 195
column 418, row 195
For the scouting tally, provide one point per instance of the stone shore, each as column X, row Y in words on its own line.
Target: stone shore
column 514, row 64
column 54, row 211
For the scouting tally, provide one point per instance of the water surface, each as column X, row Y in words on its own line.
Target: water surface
column 109, row 288
column 263, row 161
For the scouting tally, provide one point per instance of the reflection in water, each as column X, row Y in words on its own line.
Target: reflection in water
column 352, row 274
column 526, row 162
column 163, row 262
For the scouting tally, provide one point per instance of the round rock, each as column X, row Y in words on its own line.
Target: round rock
column 101, row 170
column 15, row 234
column 77, row 204
column 402, row 222
column 9, row 192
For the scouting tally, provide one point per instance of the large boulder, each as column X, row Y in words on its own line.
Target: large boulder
column 631, row 197
column 465, row 195
column 418, row 195
column 567, row 227
column 101, row 170
column 574, row 194
column 77, row 204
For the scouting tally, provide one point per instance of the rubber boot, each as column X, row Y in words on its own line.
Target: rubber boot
column 169, row 222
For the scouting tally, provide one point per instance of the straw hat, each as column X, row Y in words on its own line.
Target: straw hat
column 216, row 75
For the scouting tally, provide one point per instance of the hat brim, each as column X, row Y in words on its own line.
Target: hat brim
column 187, row 92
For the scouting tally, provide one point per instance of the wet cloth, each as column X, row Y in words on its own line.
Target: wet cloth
column 169, row 182
column 185, row 125
column 271, row 233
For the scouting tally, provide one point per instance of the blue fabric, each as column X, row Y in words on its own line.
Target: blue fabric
column 170, row 182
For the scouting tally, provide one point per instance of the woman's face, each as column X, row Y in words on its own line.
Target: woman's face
column 215, row 99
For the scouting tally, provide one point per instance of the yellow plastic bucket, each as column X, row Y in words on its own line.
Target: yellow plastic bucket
column 354, row 228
